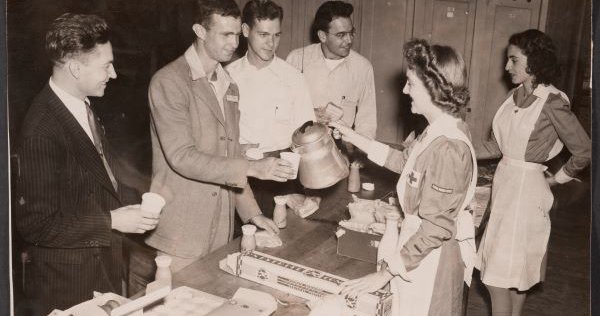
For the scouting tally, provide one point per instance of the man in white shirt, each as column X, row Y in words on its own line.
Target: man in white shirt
column 274, row 98
column 336, row 73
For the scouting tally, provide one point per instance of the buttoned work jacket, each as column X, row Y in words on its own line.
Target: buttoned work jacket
column 197, row 164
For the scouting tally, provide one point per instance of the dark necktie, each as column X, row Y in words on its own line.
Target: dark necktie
column 98, row 143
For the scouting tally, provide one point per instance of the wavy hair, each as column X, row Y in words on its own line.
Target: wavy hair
column 442, row 70
column 258, row 10
column 329, row 11
column 204, row 9
column 72, row 35
column 542, row 62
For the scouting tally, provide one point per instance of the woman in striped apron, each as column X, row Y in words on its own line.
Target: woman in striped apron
column 529, row 128
column 425, row 265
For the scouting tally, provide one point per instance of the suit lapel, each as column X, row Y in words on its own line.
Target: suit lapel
column 203, row 91
column 231, row 115
column 80, row 144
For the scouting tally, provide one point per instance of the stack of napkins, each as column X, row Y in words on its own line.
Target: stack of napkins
column 268, row 240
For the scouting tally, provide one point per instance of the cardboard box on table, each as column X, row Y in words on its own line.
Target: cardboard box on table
column 302, row 281
column 358, row 245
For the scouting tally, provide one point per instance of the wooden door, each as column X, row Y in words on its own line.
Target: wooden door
column 385, row 27
column 495, row 23
column 447, row 22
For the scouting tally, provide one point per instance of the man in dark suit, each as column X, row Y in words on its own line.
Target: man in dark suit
column 70, row 202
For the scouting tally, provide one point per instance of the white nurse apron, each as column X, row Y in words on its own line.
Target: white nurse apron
column 516, row 237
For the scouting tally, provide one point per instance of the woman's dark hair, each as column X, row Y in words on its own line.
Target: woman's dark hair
column 442, row 70
column 204, row 9
column 542, row 62
column 256, row 10
column 73, row 34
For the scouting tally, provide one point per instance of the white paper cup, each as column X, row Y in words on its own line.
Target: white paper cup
column 254, row 153
column 152, row 202
column 163, row 261
column 294, row 159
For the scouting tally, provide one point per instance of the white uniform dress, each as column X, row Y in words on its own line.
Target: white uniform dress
column 516, row 237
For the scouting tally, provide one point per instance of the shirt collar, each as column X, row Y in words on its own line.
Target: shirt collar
column 197, row 71
column 274, row 65
column 444, row 122
column 321, row 55
column 66, row 97
column 522, row 100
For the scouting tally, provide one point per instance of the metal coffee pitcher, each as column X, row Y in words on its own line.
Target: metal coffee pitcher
column 322, row 163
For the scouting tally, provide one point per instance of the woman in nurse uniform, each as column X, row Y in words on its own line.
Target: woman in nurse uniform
column 434, row 252
column 529, row 128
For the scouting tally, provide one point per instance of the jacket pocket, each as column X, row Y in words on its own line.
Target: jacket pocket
column 349, row 107
column 66, row 256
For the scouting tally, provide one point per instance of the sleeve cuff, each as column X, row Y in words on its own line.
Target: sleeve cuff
column 251, row 218
column 562, row 177
column 378, row 152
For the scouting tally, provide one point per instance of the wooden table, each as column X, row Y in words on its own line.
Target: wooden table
column 310, row 242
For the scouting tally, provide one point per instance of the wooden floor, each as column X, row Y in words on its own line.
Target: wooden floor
column 566, row 289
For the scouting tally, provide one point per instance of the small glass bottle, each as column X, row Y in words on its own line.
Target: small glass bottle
column 163, row 270
column 248, row 239
column 354, row 178
column 280, row 211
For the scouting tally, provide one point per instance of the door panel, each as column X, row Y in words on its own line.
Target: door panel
column 447, row 23
column 386, row 26
column 507, row 21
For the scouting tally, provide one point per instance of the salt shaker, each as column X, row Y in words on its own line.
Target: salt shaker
column 163, row 270
column 354, row 178
column 280, row 211
column 248, row 239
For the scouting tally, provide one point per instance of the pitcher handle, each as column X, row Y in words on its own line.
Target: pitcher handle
column 306, row 124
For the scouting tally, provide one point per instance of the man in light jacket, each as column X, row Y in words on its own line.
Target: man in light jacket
column 197, row 163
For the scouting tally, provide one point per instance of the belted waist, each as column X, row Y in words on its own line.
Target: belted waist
column 523, row 164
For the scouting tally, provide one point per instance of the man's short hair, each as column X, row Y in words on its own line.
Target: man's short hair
column 329, row 11
column 256, row 10
column 71, row 35
column 204, row 9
